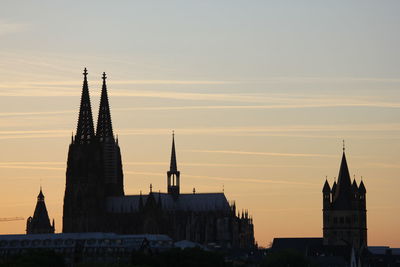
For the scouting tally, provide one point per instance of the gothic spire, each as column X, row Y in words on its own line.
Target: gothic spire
column 173, row 167
column 85, row 129
column 343, row 191
column 173, row 175
column 104, row 125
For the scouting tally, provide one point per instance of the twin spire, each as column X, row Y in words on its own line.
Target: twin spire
column 85, row 129
column 104, row 125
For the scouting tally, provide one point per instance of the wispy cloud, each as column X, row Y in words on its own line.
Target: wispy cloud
column 30, row 167
column 51, row 164
column 384, row 165
column 11, row 27
column 324, row 131
column 259, row 100
column 272, row 154
column 231, row 179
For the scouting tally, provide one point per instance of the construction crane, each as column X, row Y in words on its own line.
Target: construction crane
column 10, row 219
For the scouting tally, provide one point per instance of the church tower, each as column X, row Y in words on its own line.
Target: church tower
column 94, row 167
column 173, row 175
column 84, row 198
column 40, row 222
column 110, row 151
column 344, row 211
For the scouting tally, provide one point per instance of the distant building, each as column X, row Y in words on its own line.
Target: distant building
column 344, row 211
column 40, row 222
column 344, row 241
column 84, row 247
column 94, row 199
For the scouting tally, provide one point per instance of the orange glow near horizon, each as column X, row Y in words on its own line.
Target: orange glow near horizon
column 260, row 96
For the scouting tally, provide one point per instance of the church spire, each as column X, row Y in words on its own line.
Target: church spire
column 104, row 126
column 173, row 167
column 85, row 129
column 173, row 175
column 344, row 190
column 344, row 174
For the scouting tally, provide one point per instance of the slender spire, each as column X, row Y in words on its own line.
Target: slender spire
column 104, row 126
column 40, row 196
column 173, row 167
column 85, row 129
column 173, row 175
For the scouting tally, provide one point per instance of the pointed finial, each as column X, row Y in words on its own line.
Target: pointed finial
column 85, row 73
column 344, row 146
column 326, row 177
column 140, row 192
column 104, row 77
column 194, row 190
column 173, row 133
column 361, row 178
column 151, row 188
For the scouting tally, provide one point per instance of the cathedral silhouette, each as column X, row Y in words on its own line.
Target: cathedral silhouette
column 94, row 199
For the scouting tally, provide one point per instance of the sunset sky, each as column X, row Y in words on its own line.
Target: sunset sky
column 260, row 95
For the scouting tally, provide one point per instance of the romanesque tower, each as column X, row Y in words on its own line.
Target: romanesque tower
column 344, row 211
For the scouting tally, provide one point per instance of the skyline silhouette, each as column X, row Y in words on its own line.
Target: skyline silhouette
column 261, row 97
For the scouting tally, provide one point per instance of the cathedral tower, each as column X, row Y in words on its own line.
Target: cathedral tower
column 84, row 198
column 173, row 175
column 344, row 211
column 110, row 151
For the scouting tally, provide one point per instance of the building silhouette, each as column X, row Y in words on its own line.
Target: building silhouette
column 40, row 222
column 94, row 199
column 344, row 211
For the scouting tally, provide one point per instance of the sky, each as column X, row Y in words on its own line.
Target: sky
column 260, row 95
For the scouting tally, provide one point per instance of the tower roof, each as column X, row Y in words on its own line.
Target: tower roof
column 40, row 196
column 334, row 187
column 343, row 190
column 85, row 129
column 40, row 219
column 173, row 166
column 104, row 126
column 354, row 185
column 361, row 188
column 327, row 188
